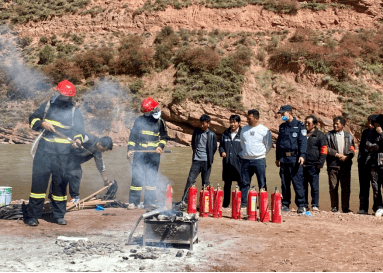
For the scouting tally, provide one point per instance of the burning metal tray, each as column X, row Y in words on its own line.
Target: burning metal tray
column 173, row 232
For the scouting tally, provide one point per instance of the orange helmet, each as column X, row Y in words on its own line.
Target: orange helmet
column 148, row 105
column 66, row 88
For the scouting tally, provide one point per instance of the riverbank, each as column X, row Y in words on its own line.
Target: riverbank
column 324, row 242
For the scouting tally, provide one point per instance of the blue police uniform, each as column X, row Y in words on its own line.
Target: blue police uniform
column 292, row 144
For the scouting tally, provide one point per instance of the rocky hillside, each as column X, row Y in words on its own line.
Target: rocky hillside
column 322, row 58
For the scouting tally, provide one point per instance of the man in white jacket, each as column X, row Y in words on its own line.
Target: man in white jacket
column 256, row 142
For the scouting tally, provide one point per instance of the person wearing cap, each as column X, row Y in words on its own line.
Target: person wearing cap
column 341, row 150
column 57, row 116
column 149, row 134
column 290, row 156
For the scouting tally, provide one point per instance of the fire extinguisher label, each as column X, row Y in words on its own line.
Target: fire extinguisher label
column 206, row 203
column 253, row 203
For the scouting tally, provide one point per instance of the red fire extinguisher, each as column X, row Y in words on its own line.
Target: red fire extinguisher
column 192, row 200
column 204, row 197
column 276, row 206
column 252, row 205
column 211, row 200
column 218, row 200
column 264, row 206
column 169, row 197
column 236, row 196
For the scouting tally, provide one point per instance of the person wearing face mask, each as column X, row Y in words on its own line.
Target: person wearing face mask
column 149, row 133
column 341, row 150
column 290, row 156
column 52, row 157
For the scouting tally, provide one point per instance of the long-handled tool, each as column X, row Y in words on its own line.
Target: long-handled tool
column 114, row 184
column 143, row 216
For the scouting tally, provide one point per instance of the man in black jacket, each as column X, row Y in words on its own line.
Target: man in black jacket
column 315, row 157
column 367, row 167
column 93, row 148
column 229, row 149
column 341, row 150
column 204, row 145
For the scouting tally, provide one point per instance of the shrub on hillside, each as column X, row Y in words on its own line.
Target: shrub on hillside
column 134, row 61
column 162, row 56
column 63, row 69
column 46, row 55
column 197, row 58
column 94, row 62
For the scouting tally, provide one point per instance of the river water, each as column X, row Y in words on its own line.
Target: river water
column 16, row 172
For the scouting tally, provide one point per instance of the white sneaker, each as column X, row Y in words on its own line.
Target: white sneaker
column 315, row 209
column 379, row 213
column 362, row 211
column 132, row 206
column 75, row 200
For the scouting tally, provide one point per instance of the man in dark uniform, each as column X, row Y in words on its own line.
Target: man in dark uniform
column 93, row 147
column 229, row 149
column 315, row 157
column 290, row 156
column 53, row 152
column 149, row 134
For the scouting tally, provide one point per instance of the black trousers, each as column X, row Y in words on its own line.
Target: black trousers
column 228, row 180
column 311, row 177
column 342, row 176
column 292, row 173
column 196, row 168
column 46, row 165
column 369, row 175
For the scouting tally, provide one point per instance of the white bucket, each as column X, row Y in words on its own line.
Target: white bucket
column 5, row 196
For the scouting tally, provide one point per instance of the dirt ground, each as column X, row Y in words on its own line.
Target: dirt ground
column 325, row 241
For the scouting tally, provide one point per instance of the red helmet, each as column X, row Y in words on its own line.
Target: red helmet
column 66, row 88
column 148, row 105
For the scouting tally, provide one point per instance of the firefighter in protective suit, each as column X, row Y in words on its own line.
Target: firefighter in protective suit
column 58, row 115
column 148, row 134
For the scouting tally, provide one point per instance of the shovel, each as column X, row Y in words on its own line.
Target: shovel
column 143, row 216
column 110, row 186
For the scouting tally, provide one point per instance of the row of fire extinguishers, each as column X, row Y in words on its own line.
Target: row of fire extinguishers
column 211, row 200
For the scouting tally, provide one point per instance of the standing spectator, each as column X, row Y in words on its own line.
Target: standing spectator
column 229, row 149
column 256, row 142
column 341, row 150
column 368, row 168
column 204, row 145
column 378, row 123
column 290, row 156
column 315, row 158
